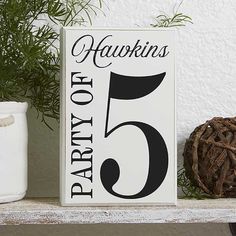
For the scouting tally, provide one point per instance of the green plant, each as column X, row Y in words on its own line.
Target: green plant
column 178, row 19
column 189, row 190
column 29, row 55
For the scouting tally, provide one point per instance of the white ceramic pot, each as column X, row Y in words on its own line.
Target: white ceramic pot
column 13, row 151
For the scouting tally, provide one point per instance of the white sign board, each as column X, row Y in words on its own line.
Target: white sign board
column 117, row 117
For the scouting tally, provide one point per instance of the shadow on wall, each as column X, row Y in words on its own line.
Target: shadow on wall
column 180, row 150
column 43, row 157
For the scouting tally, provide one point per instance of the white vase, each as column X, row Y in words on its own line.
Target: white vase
column 13, row 151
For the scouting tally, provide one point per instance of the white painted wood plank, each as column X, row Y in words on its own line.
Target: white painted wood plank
column 48, row 211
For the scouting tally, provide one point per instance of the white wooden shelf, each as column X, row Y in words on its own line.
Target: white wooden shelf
column 48, row 211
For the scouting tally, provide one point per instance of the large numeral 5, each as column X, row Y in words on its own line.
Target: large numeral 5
column 126, row 88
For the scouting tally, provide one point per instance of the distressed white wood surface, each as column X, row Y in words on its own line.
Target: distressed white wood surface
column 48, row 211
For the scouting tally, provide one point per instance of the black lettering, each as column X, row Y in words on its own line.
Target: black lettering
column 75, row 98
column 78, row 49
column 103, row 50
column 77, row 190
column 77, row 155
column 164, row 52
column 76, row 79
column 83, row 173
column 75, row 138
column 76, row 121
column 135, row 49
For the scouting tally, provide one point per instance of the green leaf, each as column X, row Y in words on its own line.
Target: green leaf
column 29, row 57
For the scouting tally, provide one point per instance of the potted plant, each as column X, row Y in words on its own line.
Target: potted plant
column 29, row 68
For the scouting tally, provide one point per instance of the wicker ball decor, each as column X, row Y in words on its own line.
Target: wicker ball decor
column 210, row 157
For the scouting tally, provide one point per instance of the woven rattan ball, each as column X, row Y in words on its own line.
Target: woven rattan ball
column 210, row 157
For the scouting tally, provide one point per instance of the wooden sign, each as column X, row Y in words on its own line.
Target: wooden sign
column 117, row 117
